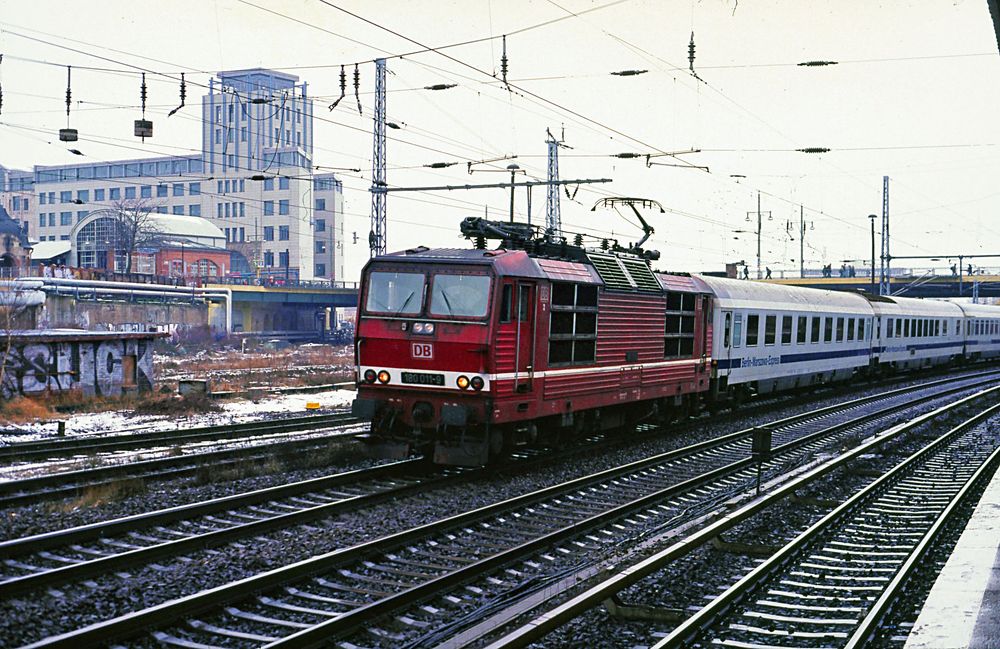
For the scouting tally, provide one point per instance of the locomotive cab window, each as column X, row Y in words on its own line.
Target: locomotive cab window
column 678, row 327
column 463, row 296
column 573, row 324
column 395, row 293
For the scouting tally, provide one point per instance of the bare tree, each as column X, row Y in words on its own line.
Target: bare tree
column 135, row 226
column 15, row 315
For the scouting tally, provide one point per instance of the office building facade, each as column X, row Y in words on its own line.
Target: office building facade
column 254, row 180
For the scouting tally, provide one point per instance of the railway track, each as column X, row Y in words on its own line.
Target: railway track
column 422, row 576
column 838, row 579
column 108, row 442
column 182, row 463
column 690, row 536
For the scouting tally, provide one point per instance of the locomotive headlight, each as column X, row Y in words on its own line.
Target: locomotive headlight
column 477, row 383
column 428, row 327
column 383, row 377
column 418, row 327
column 463, row 382
column 369, row 376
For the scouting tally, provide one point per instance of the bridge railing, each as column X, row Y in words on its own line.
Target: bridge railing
column 277, row 282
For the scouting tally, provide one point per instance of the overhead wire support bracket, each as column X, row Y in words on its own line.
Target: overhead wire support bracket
column 343, row 87
column 183, row 96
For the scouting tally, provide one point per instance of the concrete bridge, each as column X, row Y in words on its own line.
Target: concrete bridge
column 937, row 286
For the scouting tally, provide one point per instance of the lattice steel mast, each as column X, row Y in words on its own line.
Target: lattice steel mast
column 377, row 236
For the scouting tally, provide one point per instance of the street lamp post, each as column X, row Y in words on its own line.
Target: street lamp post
column 513, row 168
column 873, row 217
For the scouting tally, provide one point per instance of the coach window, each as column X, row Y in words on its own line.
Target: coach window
column 888, row 328
column 863, row 329
column 840, row 330
column 817, row 323
column 727, row 330
column 786, row 330
column 573, row 326
column 851, row 325
column 828, row 330
column 737, row 330
column 769, row 323
column 800, row 334
column 899, row 327
column 753, row 329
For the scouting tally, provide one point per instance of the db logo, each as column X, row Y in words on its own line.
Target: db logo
column 423, row 350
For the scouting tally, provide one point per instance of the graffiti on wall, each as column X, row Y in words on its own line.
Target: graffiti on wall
column 99, row 368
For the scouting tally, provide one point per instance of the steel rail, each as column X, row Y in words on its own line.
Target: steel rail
column 543, row 624
column 211, row 599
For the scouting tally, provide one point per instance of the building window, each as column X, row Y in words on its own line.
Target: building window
column 243, row 209
column 243, row 185
column 98, row 195
column 41, row 220
column 194, row 189
column 227, row 210
column 268, row 233
column 283, row 182
column 268, row 258
column 283, row 259
column 161, row 209
column 115, row 193
column 81, row 215
column 65, row 197
column 573, row 326
column 64, row 237
column 178, row 209
column 83, row 195
column 227, row 235
column 146, row 191
column 268, row 184
column 129, row 192
column 678, row 333
column 194, row 210
column 218, row 210
column 321, row 204
column 41, row 198
column 218, row 114
column 283, row 233
column 219, row 188
column 320, row 270
column 161, row 191
column 320, row 225
column 52, row 198
column 283, row 207
column 320, row 247
column 178, row 189
column 268, row 208
column 243, row 234
column 243, row 134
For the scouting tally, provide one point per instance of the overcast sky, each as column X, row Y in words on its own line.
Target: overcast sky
column 914, row 96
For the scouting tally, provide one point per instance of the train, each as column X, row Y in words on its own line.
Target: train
column 465, row 354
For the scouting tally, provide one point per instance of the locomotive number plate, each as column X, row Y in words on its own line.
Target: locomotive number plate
column 418, row 378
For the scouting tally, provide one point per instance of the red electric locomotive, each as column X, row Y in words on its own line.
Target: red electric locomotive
column 467, row 353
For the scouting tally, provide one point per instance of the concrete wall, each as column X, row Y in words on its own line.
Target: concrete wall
column 93, row 367
column 61, row 311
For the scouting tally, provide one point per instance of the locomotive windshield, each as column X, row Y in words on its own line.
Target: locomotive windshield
column 395, row 293
column 465, row 296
